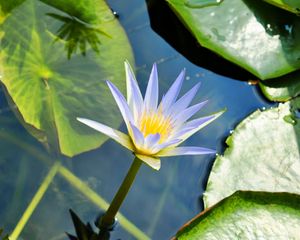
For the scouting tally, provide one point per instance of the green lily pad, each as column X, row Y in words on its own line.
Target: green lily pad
column 248, row 215
column 83, row 9
column 54, row 69
column 289, row 5
column 262, row 155
column 283, row 88
column 255, row 35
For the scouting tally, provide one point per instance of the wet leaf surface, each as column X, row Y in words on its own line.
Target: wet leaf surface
column 255, row 35
column 283, row 88
column 248, row 215
column 262, row 155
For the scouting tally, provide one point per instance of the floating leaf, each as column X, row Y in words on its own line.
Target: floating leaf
column 248, row 215
column 165, row 23
column 49, row 89
column 85, row 10
column 283, row 88
column 289, row 5
column 78, row 34
column 262, row 155
column 255, row 35
column 6, row 7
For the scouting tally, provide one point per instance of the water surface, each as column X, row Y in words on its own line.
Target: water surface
column 159, row 202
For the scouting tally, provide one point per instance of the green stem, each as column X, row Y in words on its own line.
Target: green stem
column 108, row 219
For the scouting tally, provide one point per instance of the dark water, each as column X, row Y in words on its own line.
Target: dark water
column 159, row 202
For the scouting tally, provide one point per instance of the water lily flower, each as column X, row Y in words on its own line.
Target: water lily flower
column 156, row 130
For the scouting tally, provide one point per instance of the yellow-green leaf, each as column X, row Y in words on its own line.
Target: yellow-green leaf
column 54, row 63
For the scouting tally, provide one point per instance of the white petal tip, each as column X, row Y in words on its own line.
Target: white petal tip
column 81, row 119
column 218, row 114
column 127, row 65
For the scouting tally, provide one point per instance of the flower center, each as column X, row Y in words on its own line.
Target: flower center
column 156, row 122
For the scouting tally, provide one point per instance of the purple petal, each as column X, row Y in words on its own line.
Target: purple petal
column 173, row 92
column 121, row 102
column 138, row 137
column 134, row 96
column 182, row 131
column 185, row 100
column 151, row 140
column 185, row 151
column 183, row 116
column 116, row 135
column 192, row 125
column 151, row 96
column 166, row 144
column 196, row 125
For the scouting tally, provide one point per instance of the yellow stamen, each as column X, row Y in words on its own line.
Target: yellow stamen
column 156, row 122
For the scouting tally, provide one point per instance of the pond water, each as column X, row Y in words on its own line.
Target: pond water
column 159, row 201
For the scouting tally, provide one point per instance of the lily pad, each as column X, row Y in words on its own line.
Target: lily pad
column 255, row 35
column 283, row 88
column 52, row 75
column 248, row 215
column 262, row 155
column 289, row 5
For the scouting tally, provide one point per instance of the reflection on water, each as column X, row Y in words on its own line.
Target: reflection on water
column 159, row 202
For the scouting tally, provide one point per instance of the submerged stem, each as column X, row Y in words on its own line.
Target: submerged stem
column 35, row 201
column 108, row 219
